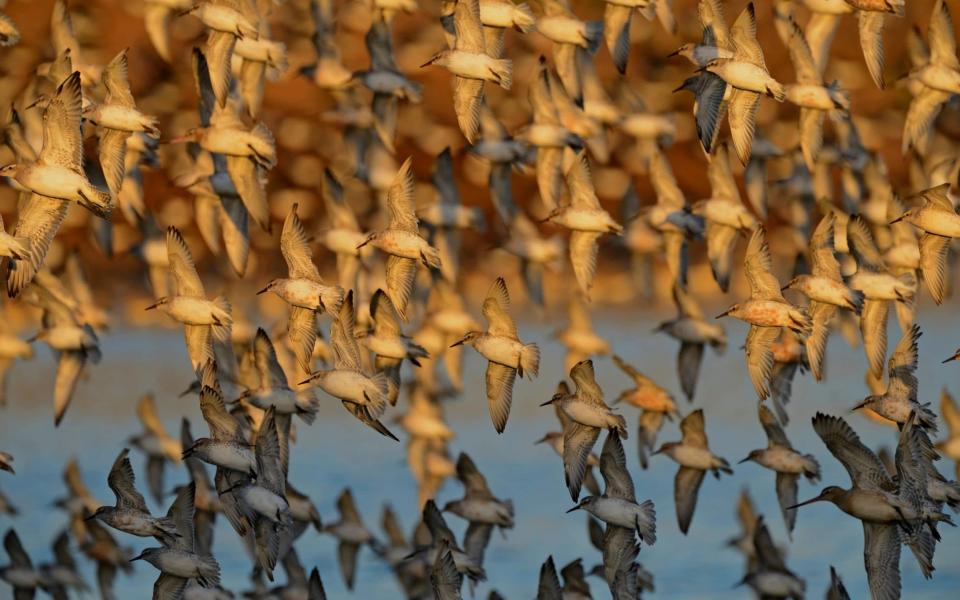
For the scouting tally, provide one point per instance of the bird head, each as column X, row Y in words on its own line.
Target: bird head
column 102, row 510
column 754, row 454
column 440, row 58
column 191, row 135
column 468, row 338
column 831, row 493
column 370, row 238
column 270, row 285
column 733, row 311
column 685, row 51
column 908, row 216
column 866, row 402
column 147, row 555
column 666, row 447
column 554, row 399
column 794, row 283
column 548, row 437
column 584, row 503
column 9, row 170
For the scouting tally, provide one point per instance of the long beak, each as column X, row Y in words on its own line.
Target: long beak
column 136, row 557
column 674, row 53
column 457, row 343
column 432, row 60
column 724, row 313
column 362, row 244
column 306, row 381
column 152, row 306
column 90, row 517
column 550, row 401
column 810, row 501
column 858, row 406
column 36, row 337
column 897, row 220
column 740, row 462
column 540, row 441
column 264, row 290
column 952, row 358
column 577, row 507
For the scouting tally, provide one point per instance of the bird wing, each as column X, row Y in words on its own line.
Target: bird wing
column 873, row 327
column 14, row 548
column 870, row 25
column 881, row 555
column 865, row 469
column 693, row 430
column 686, row 486
column 664, row 182
column 743, row 36
column 583, row 257
column 296, row 248
column 112, row 150
column 548, row 587
column 758, row 267
column 943, row 42
column 709, row 107
column 342, row 338
column 69, row 370
column 902, row 366
column 500, row 379
column 585, row 381
column 39, row 220
column 302, row 335
column 475, row 541
column 688, row 367
column 760, row 357
column 250, row 181
column 399, row 275
column 271, row 456
column 400, row 199
column 496, row 310
column 787, row 496
column 802, row 57
column 816, row 343
column 921, row 114
column 775, row 434
column 613, row 467
column 268, row 365
column 710, row 13
column 472, row 479
column 181, row 513
column 467, row 103
column 219, row 52
column 62, row 140
column 114, row 78
column 582, row 193
column 121, row 481
column 380, row 46
column 721, row 242
column 466, row 22
column 182, row 267
column 933, row 261
column 223, row 427
column 341, row 217
column 742, row 116
column 168, row 587
column 949, row 412
column 578, row 441
column 147, row 412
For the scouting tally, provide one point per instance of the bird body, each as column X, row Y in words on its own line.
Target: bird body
column 228, row 455
column 307, row 293
column 591, row 415
column 564, row 29
column 828, row 291
column 191, row 310
column 748, row 76
column 622, row 513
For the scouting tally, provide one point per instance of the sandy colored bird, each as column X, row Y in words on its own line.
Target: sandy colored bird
column 227, row 22
column 655, row 404
column 202, row 319
column 936, row 216
column 559, row 24
column 695, row 458
column 555, row 439
column 364, row 396
column 950, row 446
column 473, row 63
column 933, row 81
column 586, row 414
column 693, row 331
column 579, row 336
column 826, row 289
column 766, row 311
column 506, row 355
column 401, row 241
column 304, row 290
column 342, row 234
column 156, row 443
column 780, row 457
column 387, row 342
column 273, row 389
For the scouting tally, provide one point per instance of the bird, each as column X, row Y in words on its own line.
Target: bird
column 932, row 81
column 885, row 506
column 586, row 219
column 274, row 389
column 304, row 290
column 655, row 404
column 202, row 319
column 401, row 241
column 442, row 539
column 579, row 337
column 825, row 288
column 480, row 508
column 695, row 458
column 158, row 445
column 472, row 63
column 226, row 23
column 54, row 179
column 771, row 577
column 227, row 446
column 937, row 218
column 585, row 414
column 780, row 457
column 130, row 513
column 178, row 562
column 899, row 402
column 766, row 311
column 351, row 534
column 364, row 396
column 387, row 342
column 950, row 447
column 506, row 355
column 693, row 331
column 117, row 117
column 445, row 579
column 20, row 573
column 618, row 506
column 62, row 574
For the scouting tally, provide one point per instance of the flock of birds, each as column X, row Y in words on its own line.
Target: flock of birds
column 375, row 332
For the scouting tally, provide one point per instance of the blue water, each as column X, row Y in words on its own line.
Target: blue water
column 338, row 451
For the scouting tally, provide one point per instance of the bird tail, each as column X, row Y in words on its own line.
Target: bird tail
column 503, row 69
column 811, row 468
column 621, row 426
column 377, row 403
column 208, row 572
column 724, row 467
column 926, row 418
column 224, row 316
column 855, row 299
column 307, row 406
column 776, row 91
column 431, row 257
column 523, row 19
column 840, row 97
column 151, row 124
column 20, row 248
column 647, row 523
column 530, row 359
column 97, row 201
column 593, row 35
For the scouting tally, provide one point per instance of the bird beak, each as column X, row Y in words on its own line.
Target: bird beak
column 952, row 358
column 675, row 53
column 431, row 61
column 858, row 406
column 810, row 501
column 577, row 507
column 152, row 306
column 550, row 401
column 897, row 220
column 140, row 556
column 740, row 462
column 458, row 343
column 540, row 441
column 90, row 517
column 306, row 381
column 264, row 290
column 724, row 313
